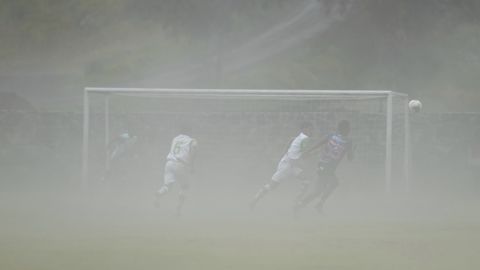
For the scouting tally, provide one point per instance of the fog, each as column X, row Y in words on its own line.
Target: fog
column 56, row 214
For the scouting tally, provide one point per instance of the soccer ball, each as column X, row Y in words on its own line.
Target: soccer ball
column 415, row 105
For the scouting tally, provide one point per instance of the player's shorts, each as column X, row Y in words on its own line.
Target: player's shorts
column 176, row 172
column 286, row 170
column 326, row 174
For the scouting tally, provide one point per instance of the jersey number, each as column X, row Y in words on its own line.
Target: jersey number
column 177, row 147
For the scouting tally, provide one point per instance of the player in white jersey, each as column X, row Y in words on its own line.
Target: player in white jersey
column 179, row 166
column 291, row 166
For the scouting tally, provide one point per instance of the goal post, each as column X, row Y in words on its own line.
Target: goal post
column 393, row 107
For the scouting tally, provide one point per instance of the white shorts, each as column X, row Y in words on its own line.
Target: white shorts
column 176, row 171
column 286, row 170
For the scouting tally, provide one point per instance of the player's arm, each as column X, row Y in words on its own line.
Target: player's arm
column 193, row 154
column 288, row 145
column 319, row 144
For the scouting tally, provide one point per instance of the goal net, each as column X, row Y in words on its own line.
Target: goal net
column 242, row 134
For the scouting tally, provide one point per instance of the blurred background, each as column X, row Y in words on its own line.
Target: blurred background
column 50, row 49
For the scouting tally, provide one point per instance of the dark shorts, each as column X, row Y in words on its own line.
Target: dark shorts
column 326, row 174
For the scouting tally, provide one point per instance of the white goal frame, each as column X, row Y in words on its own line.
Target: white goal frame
column 252, row 94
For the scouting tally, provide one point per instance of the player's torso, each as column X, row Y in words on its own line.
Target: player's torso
column 180, row 149
column 335, row 149
column 296, row 148
column 122, row 146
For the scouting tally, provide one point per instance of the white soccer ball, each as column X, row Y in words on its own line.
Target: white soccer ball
column 415, row 105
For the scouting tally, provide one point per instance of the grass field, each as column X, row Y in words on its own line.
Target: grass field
column 98, row 231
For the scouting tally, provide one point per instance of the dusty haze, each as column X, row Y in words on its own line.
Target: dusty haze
column 50, row 51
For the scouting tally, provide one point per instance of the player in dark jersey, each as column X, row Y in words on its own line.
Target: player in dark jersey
column 335, row 147
column 120, row 153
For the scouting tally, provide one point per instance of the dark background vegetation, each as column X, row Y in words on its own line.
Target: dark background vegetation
column 51, row 49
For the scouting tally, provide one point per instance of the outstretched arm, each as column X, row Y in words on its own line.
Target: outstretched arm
column 193, row 153
column 288, row 145
column 319, row 144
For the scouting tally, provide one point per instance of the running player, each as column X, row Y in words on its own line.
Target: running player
column 291, row 166
column 179, row 166
column 121, row 145
column 119, row 150
column 335, row 147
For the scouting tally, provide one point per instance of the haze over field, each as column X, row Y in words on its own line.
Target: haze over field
column 120, row 213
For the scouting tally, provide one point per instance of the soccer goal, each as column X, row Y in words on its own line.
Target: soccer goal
column 249, row 127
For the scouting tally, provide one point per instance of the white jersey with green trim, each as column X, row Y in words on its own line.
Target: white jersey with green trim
column 181, row 149
column 297, row 147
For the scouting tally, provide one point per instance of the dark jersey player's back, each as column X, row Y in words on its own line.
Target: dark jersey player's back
column 335, row 149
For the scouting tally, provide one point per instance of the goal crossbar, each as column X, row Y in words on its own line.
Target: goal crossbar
column 240, row 93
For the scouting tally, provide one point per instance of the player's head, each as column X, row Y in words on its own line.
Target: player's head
column 185, row 129
column 343, row 127
column 306, row 127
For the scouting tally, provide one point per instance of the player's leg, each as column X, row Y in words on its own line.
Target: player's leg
column 305, row 182
column 182, row 195
column 161, row 192
column 183, row 176
column 284, row 171
column 164, row 189
column 169, row 178
column 316, row 189
column 112, row 167
column 330, row 186
column 272, row 184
